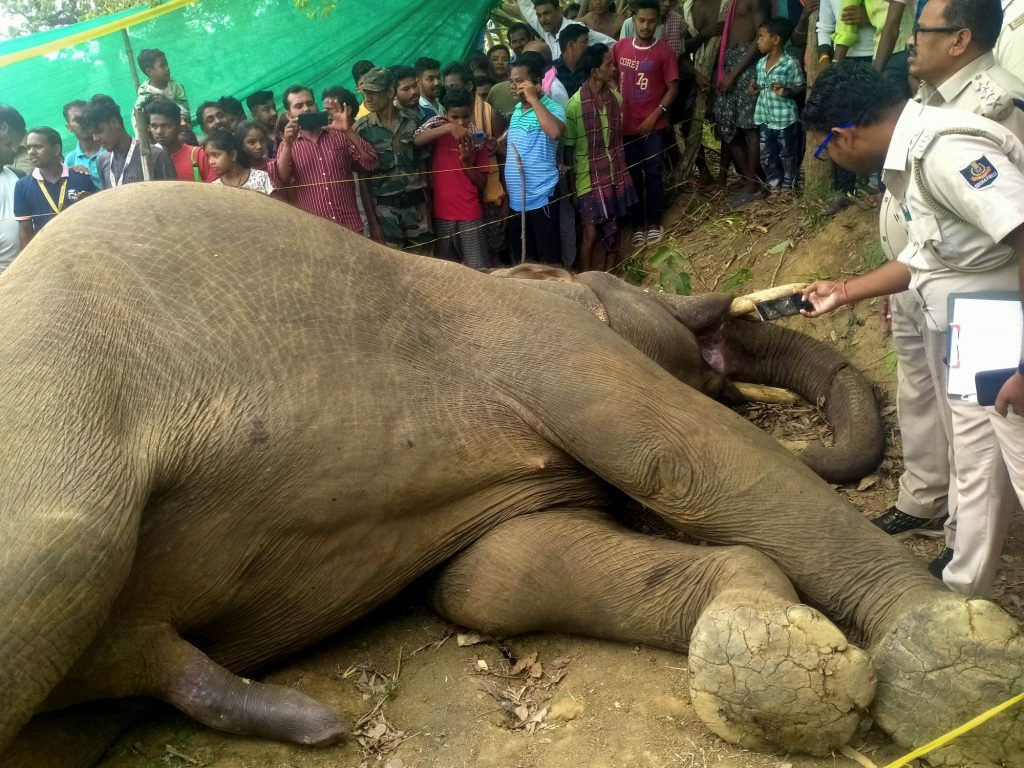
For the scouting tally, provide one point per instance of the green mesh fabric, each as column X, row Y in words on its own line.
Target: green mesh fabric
column 234, row 47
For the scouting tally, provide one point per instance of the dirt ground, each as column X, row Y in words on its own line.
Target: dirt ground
column 422, row 700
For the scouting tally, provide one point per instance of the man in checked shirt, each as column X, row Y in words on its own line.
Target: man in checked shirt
column 318, row 165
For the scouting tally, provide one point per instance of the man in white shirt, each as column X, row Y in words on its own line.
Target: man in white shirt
column 1010, row 47
column 10, row 242
column 545, row 16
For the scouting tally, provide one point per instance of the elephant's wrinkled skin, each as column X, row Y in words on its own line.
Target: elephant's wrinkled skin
column 211, row 433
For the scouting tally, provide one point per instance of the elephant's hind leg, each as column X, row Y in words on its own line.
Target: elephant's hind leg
column 765, row 671
column 155, row 661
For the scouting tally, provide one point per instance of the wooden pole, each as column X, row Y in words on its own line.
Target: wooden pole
column 140, row 120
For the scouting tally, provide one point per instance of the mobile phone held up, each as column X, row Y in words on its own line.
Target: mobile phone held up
column 479, row 139
column 310, row 121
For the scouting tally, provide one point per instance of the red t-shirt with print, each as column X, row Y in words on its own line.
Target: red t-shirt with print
column 644, row 75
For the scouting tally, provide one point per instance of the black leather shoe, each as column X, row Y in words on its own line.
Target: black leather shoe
column 894, row 521
column 936, row 566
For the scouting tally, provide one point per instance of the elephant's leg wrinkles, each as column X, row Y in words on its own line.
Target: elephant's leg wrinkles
column 765, row 672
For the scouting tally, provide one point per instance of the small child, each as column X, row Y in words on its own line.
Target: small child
column 778, row 81
column 230, row 160
column 153, row 63
column 460, row 166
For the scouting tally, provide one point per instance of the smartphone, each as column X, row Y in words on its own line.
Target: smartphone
column 479, row 139
column 310, row 121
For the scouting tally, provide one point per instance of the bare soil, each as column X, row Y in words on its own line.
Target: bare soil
column 553, row 701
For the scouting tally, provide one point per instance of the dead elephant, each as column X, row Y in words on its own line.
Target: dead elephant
column 204, row 433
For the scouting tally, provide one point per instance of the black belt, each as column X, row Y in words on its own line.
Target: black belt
column 403, row 199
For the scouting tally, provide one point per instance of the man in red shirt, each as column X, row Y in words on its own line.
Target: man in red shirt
column 648, row 82
column 190, row 163
column 318, row 164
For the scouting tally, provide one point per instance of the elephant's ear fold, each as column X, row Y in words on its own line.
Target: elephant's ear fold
column 701, row 314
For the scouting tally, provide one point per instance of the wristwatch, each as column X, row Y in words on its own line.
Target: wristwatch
column 664, row 109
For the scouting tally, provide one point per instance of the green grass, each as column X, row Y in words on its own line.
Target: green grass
column 814, row 200
column 874, row 256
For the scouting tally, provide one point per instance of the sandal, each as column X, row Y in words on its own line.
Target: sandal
column 639, row 239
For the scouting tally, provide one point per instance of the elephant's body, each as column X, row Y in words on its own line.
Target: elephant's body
column 250, row 433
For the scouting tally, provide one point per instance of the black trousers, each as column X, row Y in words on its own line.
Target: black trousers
column 543, row 236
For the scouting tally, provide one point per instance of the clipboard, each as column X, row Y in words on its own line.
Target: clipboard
column 985, row 333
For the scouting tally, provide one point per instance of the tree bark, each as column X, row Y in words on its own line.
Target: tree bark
column 816, row 172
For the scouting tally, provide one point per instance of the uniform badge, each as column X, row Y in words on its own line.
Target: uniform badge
column 980, row 173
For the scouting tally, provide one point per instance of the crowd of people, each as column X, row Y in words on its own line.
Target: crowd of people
column 547, row 146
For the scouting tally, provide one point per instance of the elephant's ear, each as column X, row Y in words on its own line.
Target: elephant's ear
column 704, row 314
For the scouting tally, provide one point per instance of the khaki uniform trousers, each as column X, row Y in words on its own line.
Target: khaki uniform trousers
column 990, row 474
column 928, row 482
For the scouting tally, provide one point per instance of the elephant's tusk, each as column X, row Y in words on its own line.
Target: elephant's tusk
column 759, row 393
column 744, row 305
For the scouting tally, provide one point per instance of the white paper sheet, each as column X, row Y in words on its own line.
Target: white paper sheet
column 985, row 335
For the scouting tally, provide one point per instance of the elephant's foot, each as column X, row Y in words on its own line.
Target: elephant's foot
column 944, row 663
column 770, row 675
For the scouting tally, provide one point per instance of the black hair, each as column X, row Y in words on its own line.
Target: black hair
column 570, row 34
column 574, row 7
column 402, row 72
column 458, row 68
column 345, row 97
column 425, row 63
column 243, row 128
column 100, row 109
column 360, row 68
column 226, row 141
column 231, row 106
column 76, row 104
column 148, row 58
column 849, row 92
column 534, row 64
column 554, row 3
column 593, row 58
column 166, row 108
column 293, row 89
column 499, row 47
column 259, row 98
column 521, row 27
column 12, row 118
column 777, row 26
column 454, row 98
column 647, row 5
column 52, row 137
column 983, row 17
column 481, row 78
column 205, row 106
column 478, row 60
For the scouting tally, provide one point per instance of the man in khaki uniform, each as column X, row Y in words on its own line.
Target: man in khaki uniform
column 951, row 55
column 959, row 182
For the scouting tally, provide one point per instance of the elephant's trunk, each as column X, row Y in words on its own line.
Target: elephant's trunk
column 765, row 353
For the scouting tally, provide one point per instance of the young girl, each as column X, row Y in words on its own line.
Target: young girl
column 229, row 159
column 254, row 143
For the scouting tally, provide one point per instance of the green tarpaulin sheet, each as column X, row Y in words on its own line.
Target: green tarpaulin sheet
column 234, row 47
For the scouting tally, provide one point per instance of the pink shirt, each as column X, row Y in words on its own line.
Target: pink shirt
column 644, row 75
column 322, row 181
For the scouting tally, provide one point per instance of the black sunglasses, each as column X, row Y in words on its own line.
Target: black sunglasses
column 937, row 30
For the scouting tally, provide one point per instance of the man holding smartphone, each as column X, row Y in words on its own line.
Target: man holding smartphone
column 395, row 197
column 317, row 162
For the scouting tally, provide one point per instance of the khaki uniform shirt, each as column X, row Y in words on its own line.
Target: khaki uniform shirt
column 984, row 88
column 982, row 181
column 1010, row 46
column 400, row 159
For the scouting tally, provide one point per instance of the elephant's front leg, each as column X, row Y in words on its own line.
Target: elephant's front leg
column 765, row 671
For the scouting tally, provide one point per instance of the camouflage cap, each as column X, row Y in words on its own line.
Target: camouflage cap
column 377, row 79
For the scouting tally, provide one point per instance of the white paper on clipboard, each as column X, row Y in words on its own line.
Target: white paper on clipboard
column 984, row 335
